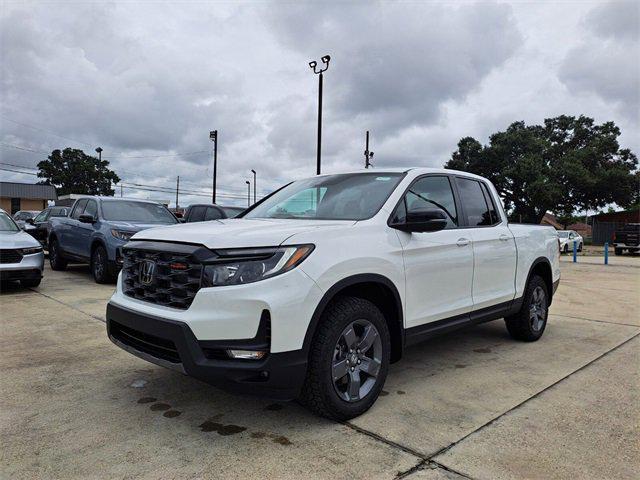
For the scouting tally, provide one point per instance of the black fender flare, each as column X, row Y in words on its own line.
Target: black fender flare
column 340, row 286
column 534, row 264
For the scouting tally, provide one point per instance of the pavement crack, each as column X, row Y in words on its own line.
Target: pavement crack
column 535, row 395
column 594, row 320
column 380, row 438
column 67, row 305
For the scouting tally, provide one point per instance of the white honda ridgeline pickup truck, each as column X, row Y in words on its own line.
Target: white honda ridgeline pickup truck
column 317, row 288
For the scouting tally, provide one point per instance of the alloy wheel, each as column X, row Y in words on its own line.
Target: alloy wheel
column 538, row 309
column 357, row 359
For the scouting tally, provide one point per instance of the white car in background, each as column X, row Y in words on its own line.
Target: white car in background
column 567, row 239
column 21, row 255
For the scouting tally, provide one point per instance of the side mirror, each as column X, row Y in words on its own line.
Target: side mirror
column 423, row 220
column 86, row 218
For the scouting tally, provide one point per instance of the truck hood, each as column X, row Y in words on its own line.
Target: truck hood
column 237, row 232
column 132, row 227
column 19, row 239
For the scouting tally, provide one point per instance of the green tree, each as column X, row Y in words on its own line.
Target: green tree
column 568, row 165
column 73, row 171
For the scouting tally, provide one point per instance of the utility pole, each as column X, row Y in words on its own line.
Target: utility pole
column 120, row 190
column 367, row 154
column 313, row 65
column 213, row 136
column 177, row 191
column 248, row 193
column 254, row 185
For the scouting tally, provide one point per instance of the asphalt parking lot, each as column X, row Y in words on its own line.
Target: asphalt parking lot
column 470, row 404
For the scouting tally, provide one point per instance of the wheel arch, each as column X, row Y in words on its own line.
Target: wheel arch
column 542, row 266
column 375, row 288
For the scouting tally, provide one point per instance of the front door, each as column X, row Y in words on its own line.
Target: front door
column 438, row 265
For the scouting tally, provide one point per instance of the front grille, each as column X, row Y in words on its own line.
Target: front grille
column 10, row 256
column 143, row 342
column 174, row 282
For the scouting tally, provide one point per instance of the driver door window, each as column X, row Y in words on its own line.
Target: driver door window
column 78, row 209
column 432, row 193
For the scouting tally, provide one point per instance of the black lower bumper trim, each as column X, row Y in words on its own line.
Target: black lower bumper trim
column 8, row 275
column 173, row 345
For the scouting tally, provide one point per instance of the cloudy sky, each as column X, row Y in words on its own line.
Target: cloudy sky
column 147, row 81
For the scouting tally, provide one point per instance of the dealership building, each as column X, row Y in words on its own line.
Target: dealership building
column 16, row 196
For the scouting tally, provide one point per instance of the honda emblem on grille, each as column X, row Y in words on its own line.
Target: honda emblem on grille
column 147, row 268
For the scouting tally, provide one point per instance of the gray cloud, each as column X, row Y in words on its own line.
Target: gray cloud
column 606, row 61
column 151, row 79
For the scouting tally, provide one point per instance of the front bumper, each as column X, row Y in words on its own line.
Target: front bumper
column 29, row 268
column 172, row 344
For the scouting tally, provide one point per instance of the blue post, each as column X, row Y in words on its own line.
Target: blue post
column 606, row 253
column 575, row 251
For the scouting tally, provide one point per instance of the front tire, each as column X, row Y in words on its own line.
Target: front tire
column 617, row 251
column 566, row 249
column 580, row 248
column 56, row 260
column 30, row 283
column 100, row 265
column 348, row 361
column 529, row 323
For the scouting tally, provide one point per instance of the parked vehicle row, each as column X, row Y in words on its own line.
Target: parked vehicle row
column 21, row 217
column 317, row 288
column 21, row 256
column 39, row 227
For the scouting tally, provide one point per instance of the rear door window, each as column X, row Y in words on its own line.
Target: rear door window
column 213, row 214
column 474, row 203
column 197, row 214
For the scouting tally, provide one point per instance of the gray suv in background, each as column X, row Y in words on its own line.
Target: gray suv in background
column 97, row 228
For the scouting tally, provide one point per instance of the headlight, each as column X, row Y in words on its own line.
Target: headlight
column 247, row 265
column 122, row 234
column 31, row 250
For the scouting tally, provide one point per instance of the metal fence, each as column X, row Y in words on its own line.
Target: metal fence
column 603, row 231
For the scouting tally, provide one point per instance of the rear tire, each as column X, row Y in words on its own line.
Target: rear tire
column 100, row 266
column 617, row 251
column 348, row 360
column 580, row 248
column 529, row 323
column 31, row 282
column 56, row 260
column 566, row 249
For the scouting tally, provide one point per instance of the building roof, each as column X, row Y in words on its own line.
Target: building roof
column 624, row 216
column 27, row 190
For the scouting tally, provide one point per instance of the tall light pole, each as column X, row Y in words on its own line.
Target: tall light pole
column 248, row 193
column 213, row 136
column 318, row 71
column 254, row 185
column 367, row 154
column 99, row 151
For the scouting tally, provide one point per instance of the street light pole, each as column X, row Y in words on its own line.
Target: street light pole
column 254, row 185
column 367, row 154
column 248, row 193
column 177, row 190
column 313, row 65
column 99, row 151
column 213, row 136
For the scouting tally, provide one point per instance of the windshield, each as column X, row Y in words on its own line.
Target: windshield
column 563, row 234
column 7, row 224
column 136, row 212
column 335, row 197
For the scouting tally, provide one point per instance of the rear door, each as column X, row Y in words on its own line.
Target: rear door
column 438, row 265
column 40, row 225
column 494, row 248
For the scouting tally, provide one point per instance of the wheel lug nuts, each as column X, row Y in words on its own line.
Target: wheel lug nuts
column 358, row 362
column 352, row 368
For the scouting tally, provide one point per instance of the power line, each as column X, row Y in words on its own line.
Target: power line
column 23, row 148
column 19, row 166
column 44, row 130
column 17, row 171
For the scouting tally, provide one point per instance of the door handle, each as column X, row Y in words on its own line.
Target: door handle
column 504, row 237
column 462, row 242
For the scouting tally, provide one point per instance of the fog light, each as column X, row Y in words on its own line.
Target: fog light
column 246, row 354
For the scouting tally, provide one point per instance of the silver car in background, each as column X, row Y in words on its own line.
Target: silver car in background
column 21, row 255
